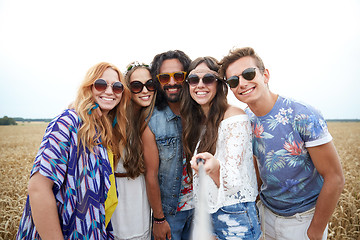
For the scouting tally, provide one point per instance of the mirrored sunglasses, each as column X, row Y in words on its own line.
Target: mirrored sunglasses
column 248, row 74
column 164, row 78
column 207, row 79
column 137, row 86
column 101, row 85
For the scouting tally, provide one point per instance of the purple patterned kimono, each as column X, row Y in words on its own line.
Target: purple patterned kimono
column 81, row 182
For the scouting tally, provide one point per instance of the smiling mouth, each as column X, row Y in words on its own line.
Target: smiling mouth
column 107, row 99
column 247, row 91
column 201, row 93
column 145, row 97
column 172, row 88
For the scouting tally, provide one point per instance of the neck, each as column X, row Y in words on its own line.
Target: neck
column 205, row 110
column 262, row 107
column 175, row 107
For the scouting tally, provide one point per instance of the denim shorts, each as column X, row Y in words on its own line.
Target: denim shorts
column 238, row 221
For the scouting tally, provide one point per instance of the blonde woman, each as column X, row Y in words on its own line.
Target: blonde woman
column 70, row 184
column 132, row 218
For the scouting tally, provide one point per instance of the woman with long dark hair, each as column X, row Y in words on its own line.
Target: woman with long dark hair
column 220, row 135
column 132, row 218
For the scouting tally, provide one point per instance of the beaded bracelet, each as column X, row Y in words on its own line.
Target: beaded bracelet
column 159, row 220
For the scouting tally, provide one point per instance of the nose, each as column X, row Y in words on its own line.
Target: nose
column 109, row 89
column 172, row 81
column 145, row 90
column 242, row 82
column 201, row 83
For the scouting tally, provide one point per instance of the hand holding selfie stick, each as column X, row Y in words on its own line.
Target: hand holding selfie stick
column 202, row 226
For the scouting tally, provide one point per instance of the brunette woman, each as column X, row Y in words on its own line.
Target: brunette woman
column 220, row 135
column 132, row 218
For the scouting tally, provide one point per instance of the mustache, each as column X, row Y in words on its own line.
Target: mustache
column 172, row 86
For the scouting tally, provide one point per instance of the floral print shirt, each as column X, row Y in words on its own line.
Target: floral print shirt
column 291, row 183
column 186, row 192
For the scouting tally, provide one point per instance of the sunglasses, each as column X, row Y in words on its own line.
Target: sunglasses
column 101, row 85
column 164, row 78
column 207, row 79
column 137, row 86
column 248, row 74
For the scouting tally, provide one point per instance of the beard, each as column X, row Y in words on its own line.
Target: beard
column 172, row 97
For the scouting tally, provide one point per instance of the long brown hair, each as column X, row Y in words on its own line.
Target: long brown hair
column 110, row 128
column 193, row 115
column 133, row 159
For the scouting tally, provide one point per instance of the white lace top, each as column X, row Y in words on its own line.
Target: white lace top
column 237, row 173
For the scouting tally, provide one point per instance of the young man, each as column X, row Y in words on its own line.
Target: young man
column 168, row 186
column 298, row 164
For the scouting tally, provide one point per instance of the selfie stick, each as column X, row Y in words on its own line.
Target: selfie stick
column 202, row 226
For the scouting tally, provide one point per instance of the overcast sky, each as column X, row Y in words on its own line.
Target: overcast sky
column 311, row 48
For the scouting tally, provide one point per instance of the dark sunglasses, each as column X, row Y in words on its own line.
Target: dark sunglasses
column 101, row 85
column 248, row 74
column 207, row 79
column 137, row 86
column 164, row 78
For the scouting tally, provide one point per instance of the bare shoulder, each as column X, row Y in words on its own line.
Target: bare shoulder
column 233, row 111
column 148, row 135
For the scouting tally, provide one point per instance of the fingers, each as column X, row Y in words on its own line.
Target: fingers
column 168, row 235
column 211, row 164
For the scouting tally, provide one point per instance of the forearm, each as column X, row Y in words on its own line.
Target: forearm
column 215, row 176
column 326, row 203
column 45, row 214
column 327, row 163
column 154, row 196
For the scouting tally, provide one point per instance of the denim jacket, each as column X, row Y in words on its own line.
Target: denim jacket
column 167, row 129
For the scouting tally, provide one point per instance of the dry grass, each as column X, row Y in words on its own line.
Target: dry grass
column 19, row 145
column 345, row 222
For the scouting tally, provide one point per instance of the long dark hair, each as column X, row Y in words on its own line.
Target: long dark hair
column 184, row 59
column 138, row 119
column 193, row 115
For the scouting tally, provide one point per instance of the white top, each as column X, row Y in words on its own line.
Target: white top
column 131, row 219
column 237, row 173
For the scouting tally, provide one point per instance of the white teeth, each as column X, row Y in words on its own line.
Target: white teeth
column 145, row 97
column 200, row 93
column 107, row 99
column 172, row 89
column 248, row 91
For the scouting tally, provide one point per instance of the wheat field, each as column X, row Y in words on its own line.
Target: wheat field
column 19, row 145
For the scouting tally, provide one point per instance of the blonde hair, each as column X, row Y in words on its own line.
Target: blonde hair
column 110, row 128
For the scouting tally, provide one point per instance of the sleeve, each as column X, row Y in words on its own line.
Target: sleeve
column 312, row 127
column 234, row 152
column 52, row 158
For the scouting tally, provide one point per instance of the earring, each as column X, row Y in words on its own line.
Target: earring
column 114, row 122
column 94, row 107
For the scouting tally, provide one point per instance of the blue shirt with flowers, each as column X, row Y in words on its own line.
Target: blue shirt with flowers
column 291, row 183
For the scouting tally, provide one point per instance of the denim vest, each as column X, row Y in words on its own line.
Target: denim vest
column 167, row 129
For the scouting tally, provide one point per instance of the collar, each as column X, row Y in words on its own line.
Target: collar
column 169, row 114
